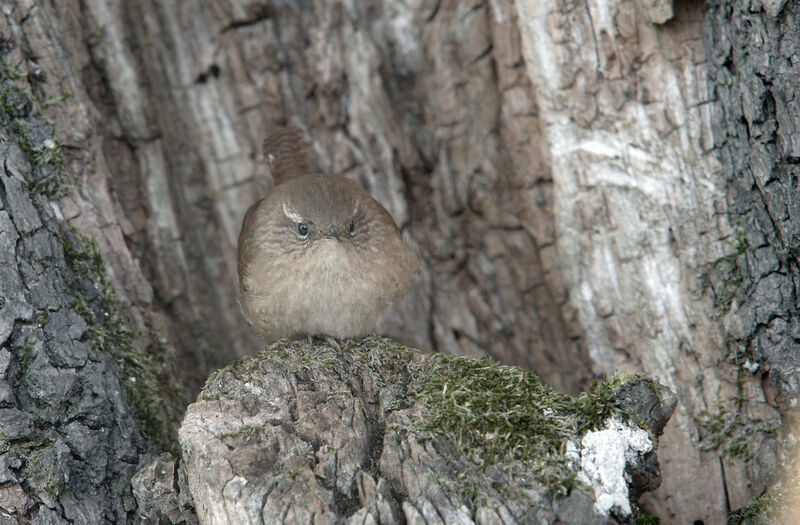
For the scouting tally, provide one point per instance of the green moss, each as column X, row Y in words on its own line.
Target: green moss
column 12, row 72
column 765, row 506
column 40, row 472
column 15, row 102
column 22, row 114
column 501, row 419
column 725, row 275
column 55, row 99
column 386, row 359
column 729, row 431
column 25, row 357
column 210, row 381
column 38, row 461
column 218, row 385
column 501, row 414
column 20, row 447
column 47, row 152
column 647, row 519
column 727, row 428
column 148, row 372
column 50, row 177
column 246, row 433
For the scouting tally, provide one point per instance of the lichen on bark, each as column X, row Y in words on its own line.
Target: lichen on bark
column 479, row 439
column 148, row 372
column 35, row 134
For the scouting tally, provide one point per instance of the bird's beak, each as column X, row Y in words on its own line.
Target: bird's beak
column 333, row 232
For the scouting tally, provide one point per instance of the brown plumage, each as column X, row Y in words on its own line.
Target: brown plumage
column 318, row 255
column 286, row 152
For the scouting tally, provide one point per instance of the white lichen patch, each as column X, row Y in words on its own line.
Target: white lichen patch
column 603, row 456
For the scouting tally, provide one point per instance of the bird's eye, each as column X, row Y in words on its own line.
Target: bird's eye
column 352, row 226
column 302, row 229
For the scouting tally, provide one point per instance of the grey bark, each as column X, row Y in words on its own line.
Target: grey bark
column 758, row 130
column 305, row 432
column 411, row 107
column 69, row 439
column 576, row 177
column 162, row 494
column 752, row 63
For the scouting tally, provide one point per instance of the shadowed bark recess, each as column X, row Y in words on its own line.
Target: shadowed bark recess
column 425, row 104
column 592, row 186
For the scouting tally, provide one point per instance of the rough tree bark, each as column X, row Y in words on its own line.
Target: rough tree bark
column 752, row 61
column 69, row 437
column 648, row 253
column 409, row 106
column 583, row 197
column 375, row 433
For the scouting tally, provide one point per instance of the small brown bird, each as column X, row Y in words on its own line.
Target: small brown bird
column 317, row 255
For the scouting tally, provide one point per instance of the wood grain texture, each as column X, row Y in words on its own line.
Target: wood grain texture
column 567, row 192
column 459, row 166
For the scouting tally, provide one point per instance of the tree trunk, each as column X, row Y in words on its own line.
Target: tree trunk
column 647, row 250
column 591, row 186
column 69, row 437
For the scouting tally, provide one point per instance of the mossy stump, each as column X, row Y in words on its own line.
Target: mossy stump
column 372, row 432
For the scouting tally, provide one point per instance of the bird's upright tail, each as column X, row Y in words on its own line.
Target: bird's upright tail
column 286, row 151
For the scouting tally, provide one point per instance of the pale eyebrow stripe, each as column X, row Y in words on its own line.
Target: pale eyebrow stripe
column 291, row 213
